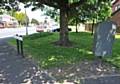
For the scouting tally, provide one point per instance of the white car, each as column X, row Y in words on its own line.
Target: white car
column 52, row 28
column 40, row 28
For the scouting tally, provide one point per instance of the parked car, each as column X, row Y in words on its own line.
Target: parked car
column 52, row 28
column 55, row 28
column 58, row 30
column 40, row 28
column 1, row 25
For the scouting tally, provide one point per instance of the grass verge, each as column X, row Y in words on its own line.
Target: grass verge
column 40, row 47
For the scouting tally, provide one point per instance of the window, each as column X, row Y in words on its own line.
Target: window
column 117, row 7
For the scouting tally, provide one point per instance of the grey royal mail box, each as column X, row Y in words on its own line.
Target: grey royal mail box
column 103, row 38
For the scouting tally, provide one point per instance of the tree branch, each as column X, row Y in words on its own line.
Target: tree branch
column 56, row 4
column 76, row 4
column 50, row 3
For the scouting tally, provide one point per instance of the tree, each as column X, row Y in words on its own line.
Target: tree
column 53, row 13
column 94, row 12
column 21, row 17
column 103, row 13
column 34, row 21
column 9, row 5
column 65, row 7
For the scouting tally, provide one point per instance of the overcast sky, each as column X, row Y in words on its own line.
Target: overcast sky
column 38, row 14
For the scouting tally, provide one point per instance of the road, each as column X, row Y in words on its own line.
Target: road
column 10, row 32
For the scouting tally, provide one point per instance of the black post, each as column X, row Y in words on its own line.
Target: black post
column 17, row 42
column 93, row 27
column 21, row 46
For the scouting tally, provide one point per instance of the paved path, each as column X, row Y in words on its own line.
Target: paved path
column 16, row 70
column 108, row 79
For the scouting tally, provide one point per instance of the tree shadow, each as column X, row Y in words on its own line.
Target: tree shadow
column 115, row 58
column 71, row 64
column 36, row 36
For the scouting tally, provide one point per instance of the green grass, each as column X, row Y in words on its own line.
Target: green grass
column 115, row 58
column 40, row 46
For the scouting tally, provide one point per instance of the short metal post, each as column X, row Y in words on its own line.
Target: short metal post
column 21, row 46
column 18, row 48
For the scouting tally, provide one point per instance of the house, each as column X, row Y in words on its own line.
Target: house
column 7, row 21
column 115, row 16
column 115, row 5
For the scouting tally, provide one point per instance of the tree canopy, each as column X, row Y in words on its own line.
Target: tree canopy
column 34, row 21
column 21, row 17
column 70, row 9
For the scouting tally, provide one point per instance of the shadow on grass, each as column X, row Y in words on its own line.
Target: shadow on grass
column 115, row 58
column 56, row 58
column 61, row 59
column 49, row 55
column 36, row 36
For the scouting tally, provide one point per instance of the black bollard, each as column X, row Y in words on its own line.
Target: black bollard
column 21, row 46
column 18, row 47
column 19, row 42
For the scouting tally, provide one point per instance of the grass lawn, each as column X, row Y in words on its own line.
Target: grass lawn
column 40, row 46
column 115, row 58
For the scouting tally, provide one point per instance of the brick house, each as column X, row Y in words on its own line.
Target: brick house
column 116, row 13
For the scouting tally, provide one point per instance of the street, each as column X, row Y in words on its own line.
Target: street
column 10, row 32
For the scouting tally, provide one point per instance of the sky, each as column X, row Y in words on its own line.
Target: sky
column 38, row 14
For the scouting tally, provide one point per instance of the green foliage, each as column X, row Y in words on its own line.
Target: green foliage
column 105, row 11
column 97, row 11
column 34, row 21
column 71, row 9
column 1, row 11
column 115, row 58
column 52, row 12
column 72, row 1
column 92, row 9
column 102, row 11
column 40, row 47
column 21, row 17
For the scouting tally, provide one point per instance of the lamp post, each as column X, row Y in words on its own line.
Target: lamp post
column 26, row 22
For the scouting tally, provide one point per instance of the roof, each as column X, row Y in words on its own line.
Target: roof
column 114, row 2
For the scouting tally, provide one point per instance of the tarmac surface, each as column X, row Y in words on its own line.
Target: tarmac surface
column 108, row 79
column 17, row 70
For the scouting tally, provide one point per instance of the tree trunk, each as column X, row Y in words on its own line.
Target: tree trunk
column 93, row 27
column 76, row 26
column 64, row 39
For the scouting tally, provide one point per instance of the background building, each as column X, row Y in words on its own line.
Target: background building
column 116, row 12
column 7, row 21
